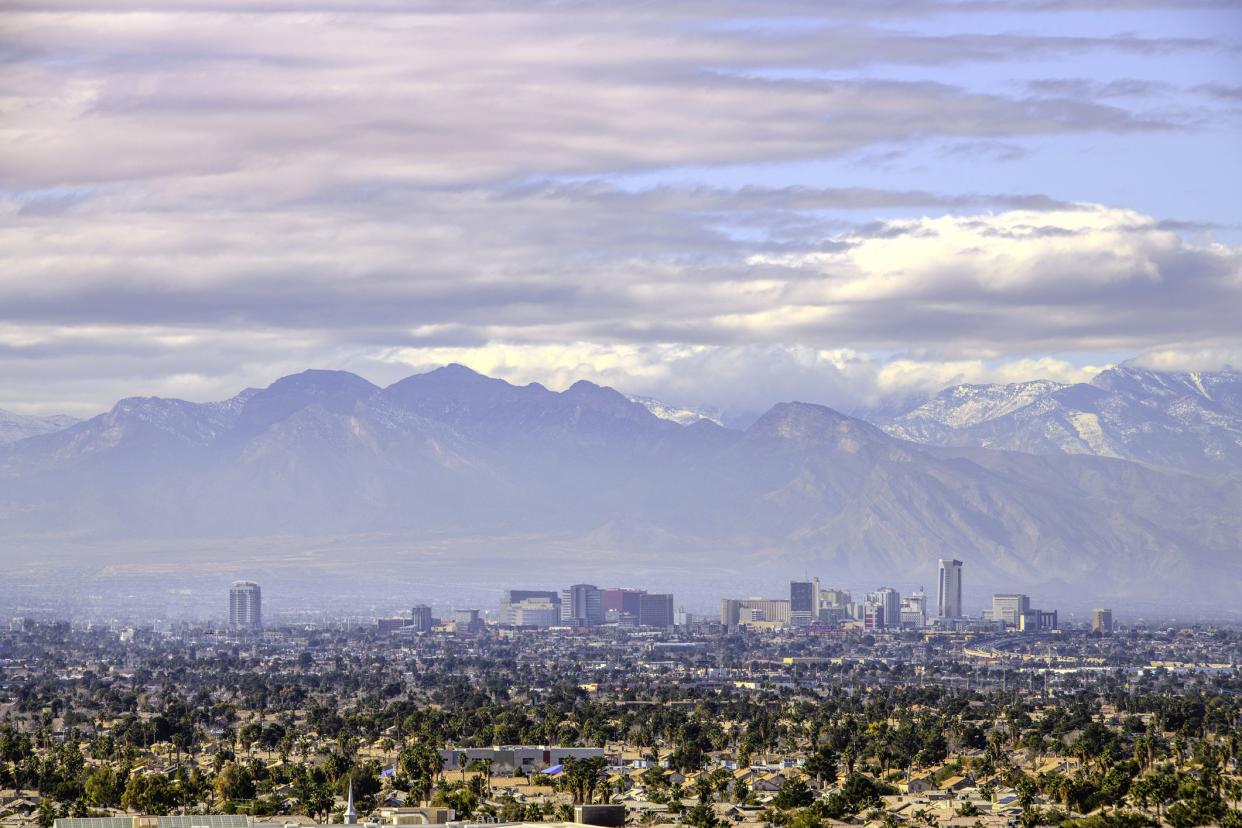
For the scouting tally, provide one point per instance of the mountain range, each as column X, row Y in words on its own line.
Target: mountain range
column 1127, row 486
column 14, row 427
column 1187, row 420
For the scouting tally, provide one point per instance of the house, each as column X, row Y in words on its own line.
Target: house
column 745, row 774
column 1004, row 803
column 919, row 783
column 1058, row 764
column 954, row 783
column 768, row 783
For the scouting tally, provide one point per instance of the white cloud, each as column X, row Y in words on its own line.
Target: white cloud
column 1007, row 253
column 1191, row 359
column 101, row 93
column 556, row 286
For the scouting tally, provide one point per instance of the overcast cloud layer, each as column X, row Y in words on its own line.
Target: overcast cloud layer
column 717, row 203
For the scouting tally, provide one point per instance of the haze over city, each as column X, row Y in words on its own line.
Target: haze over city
column 803, row 289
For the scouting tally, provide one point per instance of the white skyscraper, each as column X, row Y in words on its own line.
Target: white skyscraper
column 949, row 597
column 245, row 606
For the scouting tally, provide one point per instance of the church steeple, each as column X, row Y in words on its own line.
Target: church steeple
column 351, row 816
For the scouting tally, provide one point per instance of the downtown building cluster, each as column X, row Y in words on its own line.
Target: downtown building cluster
column 577, row 606
column 810, row 603
column 586, row 605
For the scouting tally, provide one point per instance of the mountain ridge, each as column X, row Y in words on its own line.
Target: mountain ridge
column 455, row 453
column 1187, row 420
column 14, row 427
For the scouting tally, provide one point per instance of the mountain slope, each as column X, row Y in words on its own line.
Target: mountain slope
column 842, row 495
column 14, row 427
column 679, row 415
column 1186, row 420
column 460, row 455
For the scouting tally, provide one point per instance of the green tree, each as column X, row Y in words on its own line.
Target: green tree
column 316, row 800
column 103, row 787
column 234, row 783
column 822, row 764
column 149, row 793
column 793, row 793
column 702, row 816
column 46, row 815
column 806, row 818
column 421, row 764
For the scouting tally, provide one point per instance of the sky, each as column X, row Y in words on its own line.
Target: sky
column 720, row 204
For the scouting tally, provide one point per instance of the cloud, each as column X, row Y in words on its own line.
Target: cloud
column 202, row 194
column 1191, row 359
column 554, row 284
column 1101, row 278
column 95, row 94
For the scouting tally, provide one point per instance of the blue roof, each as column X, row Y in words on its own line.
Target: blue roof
column 554, row 770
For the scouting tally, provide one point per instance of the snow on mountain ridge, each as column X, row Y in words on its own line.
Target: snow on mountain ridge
column 14, row 427
column 676, row 414
column 1188, row 420
column 963, row 405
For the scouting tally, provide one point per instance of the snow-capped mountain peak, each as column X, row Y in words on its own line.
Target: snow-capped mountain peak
column 14, row 427
column 1189, row 420
column 673, row 413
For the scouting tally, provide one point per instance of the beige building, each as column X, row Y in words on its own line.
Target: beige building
column 735, row 612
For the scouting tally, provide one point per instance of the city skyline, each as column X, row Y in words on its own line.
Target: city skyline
column 810, row 604
column 495, row 603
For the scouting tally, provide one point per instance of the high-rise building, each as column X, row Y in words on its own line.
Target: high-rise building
column 513, row 597
column 1010, row 607
column 655, row 610
column 803, row 602
column 245, row 606
column 621, row 604
column 949, row 596
column 834, row 604
column 420, row 618
column 535, row 612
column 740, row 611
column 890, row 600
column 834, row 598
column 467, row 621
column 873, row 616
column 391, row 625
column 1102, row 621
column 582, row 606
column 914, row 609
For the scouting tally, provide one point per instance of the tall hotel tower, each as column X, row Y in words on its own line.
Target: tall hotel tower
column 950, row 596
column 245, row 606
